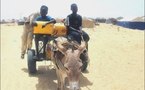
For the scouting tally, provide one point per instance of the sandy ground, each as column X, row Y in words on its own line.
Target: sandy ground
column 116, row 61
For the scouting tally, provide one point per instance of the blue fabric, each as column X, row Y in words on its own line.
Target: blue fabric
column 132, row 25
column 47, row 18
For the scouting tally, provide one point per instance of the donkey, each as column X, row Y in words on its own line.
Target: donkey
column 68, row 63
column 27, row 35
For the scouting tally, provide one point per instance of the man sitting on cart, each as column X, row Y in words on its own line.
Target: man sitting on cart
column 43, row 17
column 74, row 25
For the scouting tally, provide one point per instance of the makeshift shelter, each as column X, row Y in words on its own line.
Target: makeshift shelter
column 136, row 23
column 111, row 21
column 88, row 23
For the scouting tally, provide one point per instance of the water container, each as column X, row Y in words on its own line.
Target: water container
column 60, row 30
column 48, row 29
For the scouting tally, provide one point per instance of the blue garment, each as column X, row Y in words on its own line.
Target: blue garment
column 46, row 18
column 39, row 37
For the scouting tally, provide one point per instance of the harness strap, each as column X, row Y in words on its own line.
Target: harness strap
column 54, row 51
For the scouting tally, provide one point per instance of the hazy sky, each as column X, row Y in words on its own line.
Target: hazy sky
column 61, row 8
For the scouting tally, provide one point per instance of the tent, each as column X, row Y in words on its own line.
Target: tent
column 88, row 23
column 136, row 23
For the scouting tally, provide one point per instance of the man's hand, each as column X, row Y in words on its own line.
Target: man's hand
column 44, row 25
column 52, row 21
column 81, row 32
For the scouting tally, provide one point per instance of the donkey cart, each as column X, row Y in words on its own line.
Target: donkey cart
column 43, row 47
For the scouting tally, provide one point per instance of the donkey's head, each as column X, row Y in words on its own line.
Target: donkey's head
column 72, row 63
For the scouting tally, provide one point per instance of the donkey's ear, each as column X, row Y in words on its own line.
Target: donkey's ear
column 59, row 44
column 82, row 47
column 60, row 47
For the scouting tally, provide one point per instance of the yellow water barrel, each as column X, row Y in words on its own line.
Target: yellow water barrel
column 48, row 29
column 60, row 30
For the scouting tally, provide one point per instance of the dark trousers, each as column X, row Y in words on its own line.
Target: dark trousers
column 77, row 36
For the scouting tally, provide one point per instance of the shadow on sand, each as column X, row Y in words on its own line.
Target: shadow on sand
column 47, row 79
column 84, row 82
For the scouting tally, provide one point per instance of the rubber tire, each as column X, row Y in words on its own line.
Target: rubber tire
column 84, row 61
column 31, row 62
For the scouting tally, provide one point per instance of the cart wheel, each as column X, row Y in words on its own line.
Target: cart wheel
column 84, row 61
column 31, row 62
